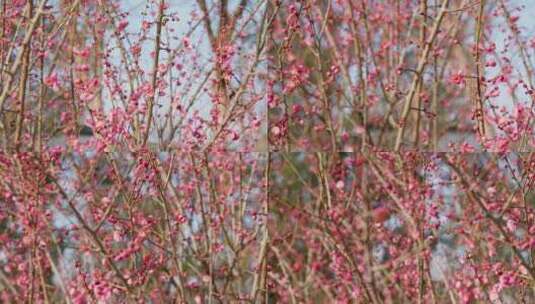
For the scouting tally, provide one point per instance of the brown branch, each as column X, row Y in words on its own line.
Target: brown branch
column 421, row 65
column 150, row 103
column 260, row 275
column 479, row 101
column 23, row 81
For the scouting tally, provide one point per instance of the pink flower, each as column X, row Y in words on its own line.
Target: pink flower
column 136, row 50
column 81, row 68
column 381, row 214
column 86, row 96
column 186, row 42
column 122, row 25
column 296, row 109
column 52, row 81
column 457, row 78
column 345, row 136
column 490, row 63
column 83, row 53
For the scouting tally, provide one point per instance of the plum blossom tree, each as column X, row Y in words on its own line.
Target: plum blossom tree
column 421, row 75
column 410, row 227
column 266, row 151
column 127, row 163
